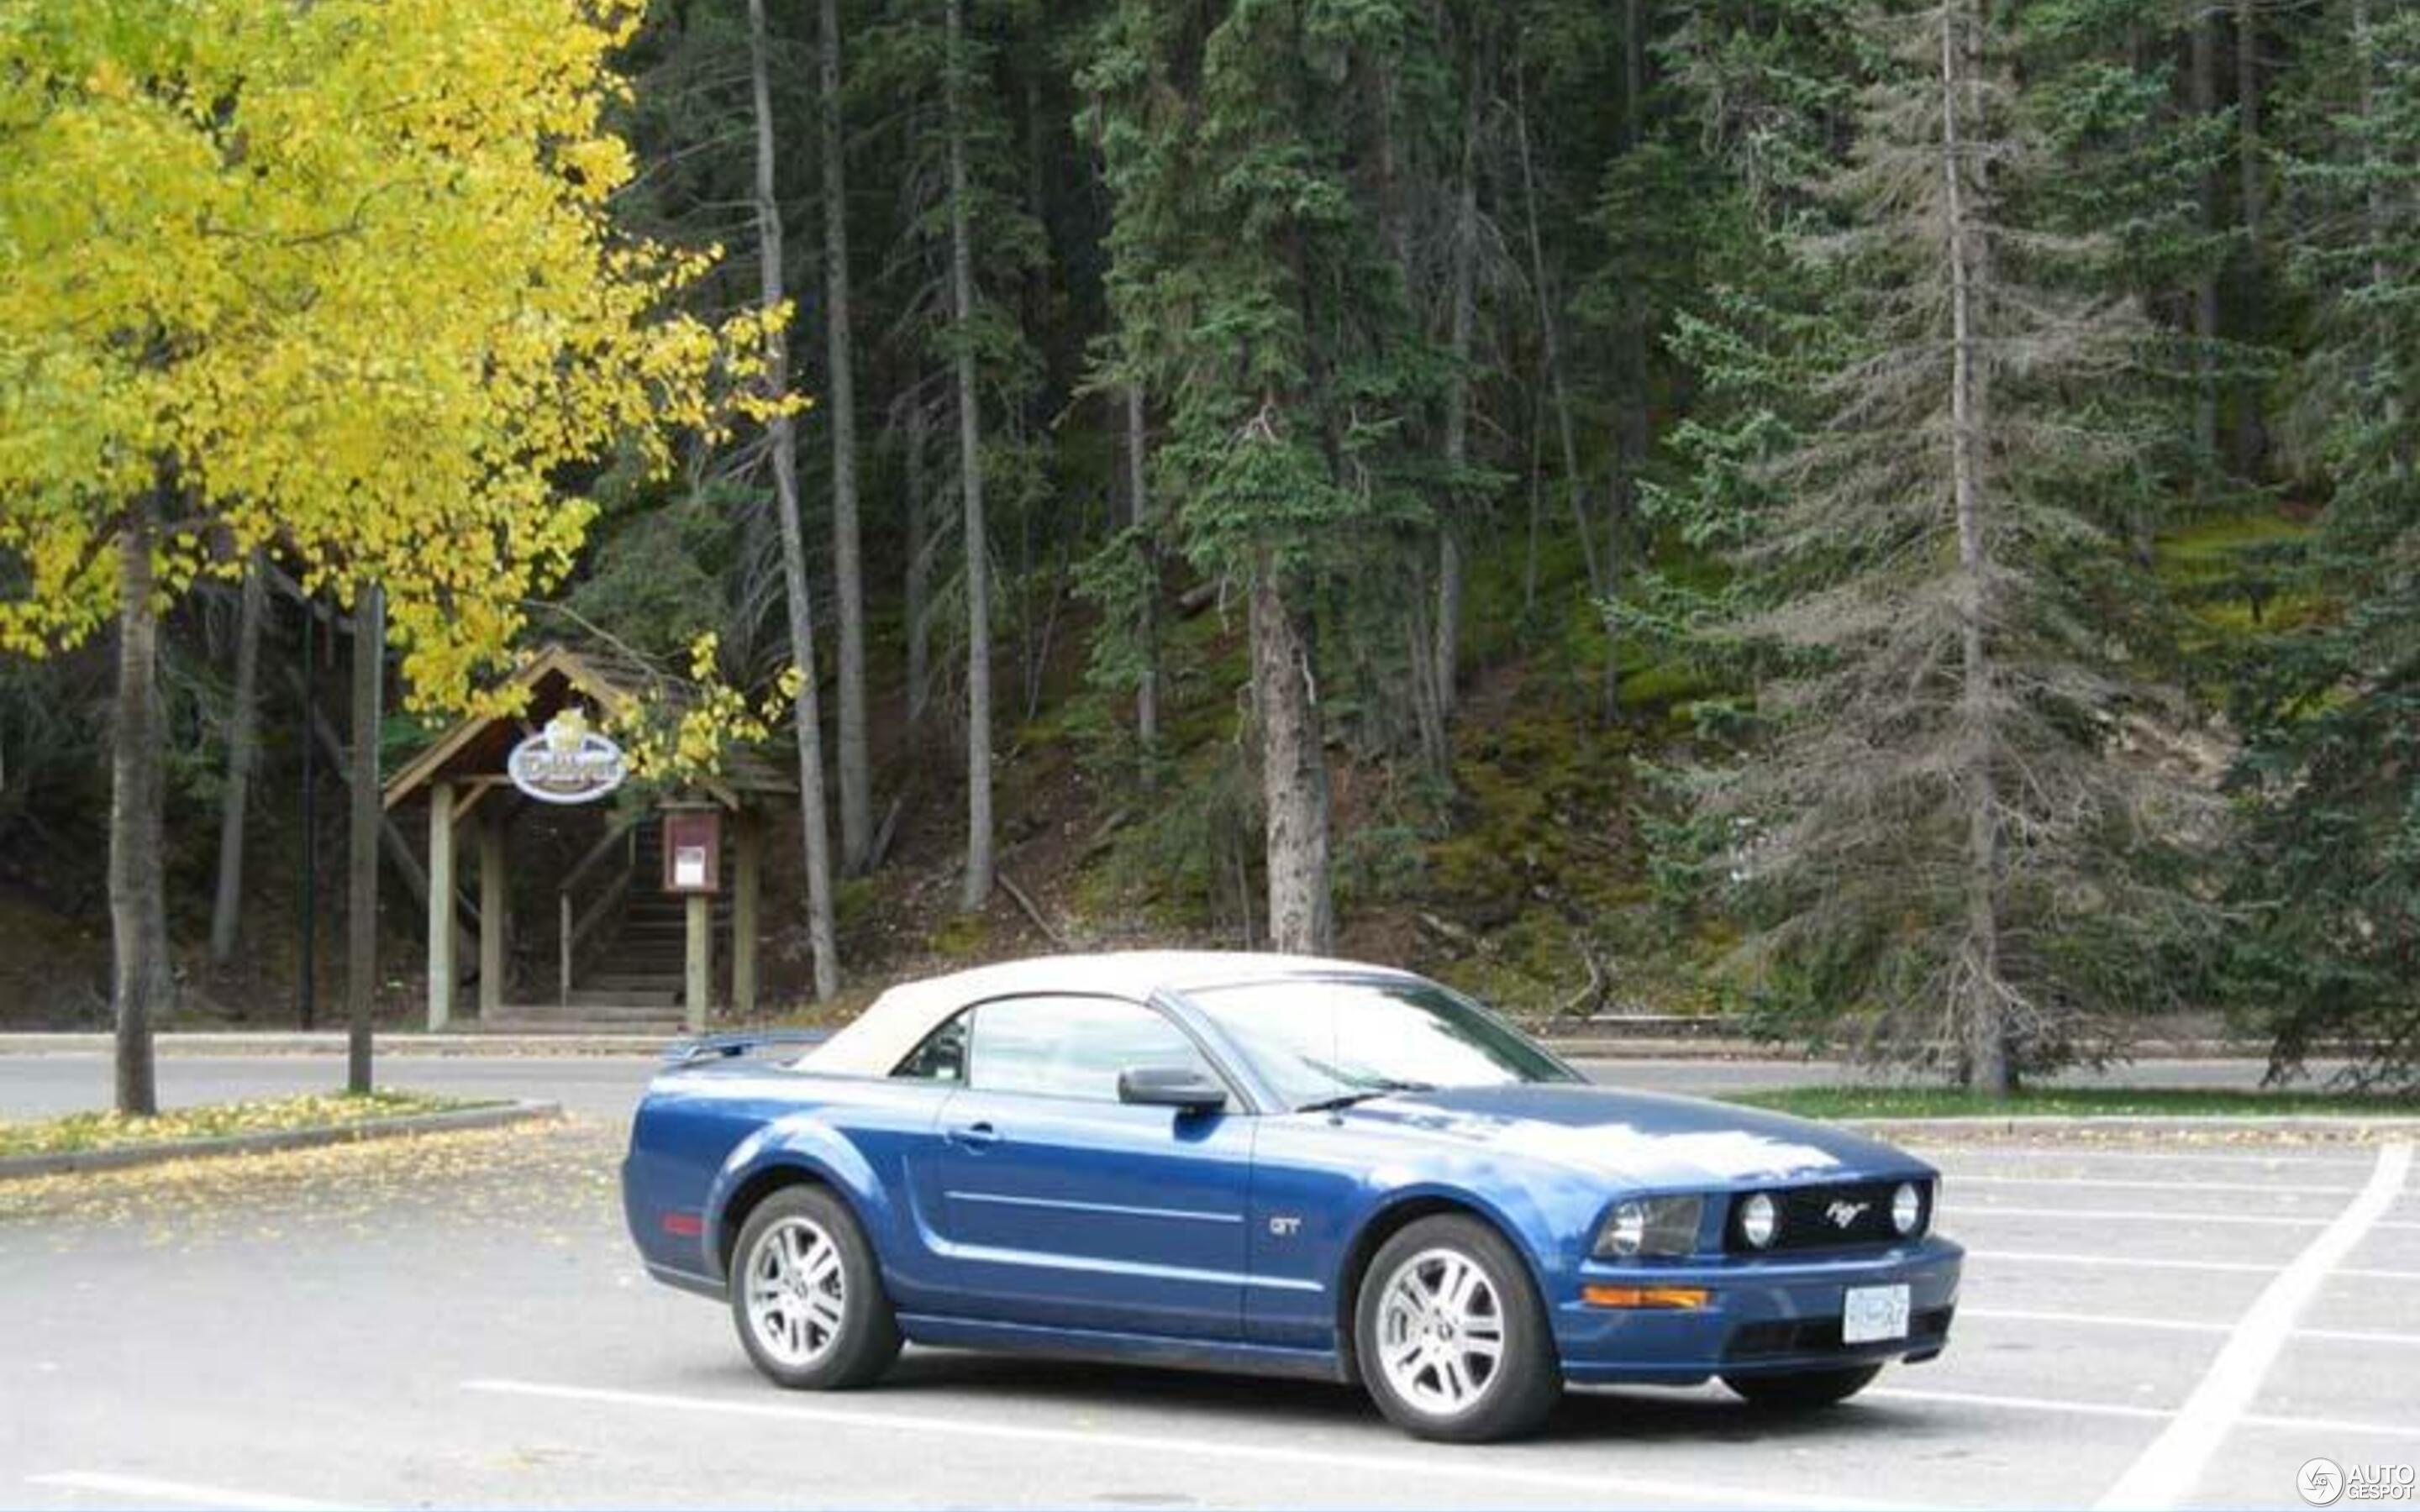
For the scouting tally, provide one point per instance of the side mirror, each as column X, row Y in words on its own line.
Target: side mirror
column 1183, row 1087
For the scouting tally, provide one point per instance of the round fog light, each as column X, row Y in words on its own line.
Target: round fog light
column 1907, row 1208
column 1628, row 1231
column 1759, row 1220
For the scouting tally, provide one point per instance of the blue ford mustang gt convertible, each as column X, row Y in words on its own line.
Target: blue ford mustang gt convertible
column 1272, row 1164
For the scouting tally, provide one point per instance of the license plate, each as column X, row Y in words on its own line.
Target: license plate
column 1874, row 1313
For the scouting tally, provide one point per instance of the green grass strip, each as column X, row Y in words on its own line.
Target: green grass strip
column 78, row 1132
column 2081, row 1101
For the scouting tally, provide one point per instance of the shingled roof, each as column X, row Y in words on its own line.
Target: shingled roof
column 556, row 677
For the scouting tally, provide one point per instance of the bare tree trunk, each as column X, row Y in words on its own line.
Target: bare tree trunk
column 1985, row 1011
column 243, row 729
column 2249, row 150
column 363, row 815
column 1537, row 500
column 1634, row 438
column 2203, row 75
column 2381, row 276
column 1139, row 513
column 849, row 584
column 783, row 436
column 143, row 987
column 977, row 887
column 1457, row 399
column 1550, row 335
column 1294, row 769
column 920, row 563
column 2250, row 427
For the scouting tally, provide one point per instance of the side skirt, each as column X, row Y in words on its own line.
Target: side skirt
column 1125, row 1348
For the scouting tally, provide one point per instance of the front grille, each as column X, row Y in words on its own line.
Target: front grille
column 1811, row 1217
column 1822, row 1335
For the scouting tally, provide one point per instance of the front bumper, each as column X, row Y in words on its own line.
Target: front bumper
column 1767, row 1314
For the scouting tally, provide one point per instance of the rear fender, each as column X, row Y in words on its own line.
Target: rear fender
column 807, row 1145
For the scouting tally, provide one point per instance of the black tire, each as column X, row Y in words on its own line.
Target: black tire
column 857, row 1349
column 1800, row 1391
column 1526, row 1378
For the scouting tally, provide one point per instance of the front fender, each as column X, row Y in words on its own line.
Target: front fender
column 799, row 1145
column 1531, row 1220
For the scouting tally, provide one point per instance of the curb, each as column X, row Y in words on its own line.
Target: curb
column 332, row 1042
column 1579, row 1046
column 452, row 1120
column 2342, row 1126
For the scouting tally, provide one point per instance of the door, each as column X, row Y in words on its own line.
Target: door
column 1054, row 1204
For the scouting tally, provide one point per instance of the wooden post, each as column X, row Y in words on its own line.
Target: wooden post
column 491, row 917
column 699, row 988
column 745, row 870
column 441, row 904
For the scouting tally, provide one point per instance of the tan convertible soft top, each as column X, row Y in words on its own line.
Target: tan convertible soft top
column 899, row 1019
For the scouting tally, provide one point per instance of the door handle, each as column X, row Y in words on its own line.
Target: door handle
column 974, row 1135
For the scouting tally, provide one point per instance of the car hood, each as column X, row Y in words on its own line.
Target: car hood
column 1643, row 1139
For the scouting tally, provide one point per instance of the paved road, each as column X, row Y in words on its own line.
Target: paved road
column 460, row 1321
column 33, row 1085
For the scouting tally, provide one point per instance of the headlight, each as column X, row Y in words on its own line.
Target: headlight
column 1650, row 1225
column 1759, row 1220
column 1907, row 1208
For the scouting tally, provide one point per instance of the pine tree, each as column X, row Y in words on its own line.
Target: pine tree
column 1253, row 286
column 2329, row 869
column 1934, row 826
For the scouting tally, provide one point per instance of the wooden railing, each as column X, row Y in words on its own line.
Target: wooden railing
column 577, row 924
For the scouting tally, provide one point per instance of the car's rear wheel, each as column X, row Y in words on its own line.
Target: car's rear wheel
column 807, row 1294
column 1801, row 1390
column 1451, row 1337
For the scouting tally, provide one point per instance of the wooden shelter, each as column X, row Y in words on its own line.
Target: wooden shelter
column 621, row 889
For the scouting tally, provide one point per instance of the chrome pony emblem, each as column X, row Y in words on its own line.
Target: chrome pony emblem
column 1844, row 1213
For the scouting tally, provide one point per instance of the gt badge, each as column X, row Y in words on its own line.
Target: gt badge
column 1285, row 1227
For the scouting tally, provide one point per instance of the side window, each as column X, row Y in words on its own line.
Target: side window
column 942, row 1057
column 1072, row 1046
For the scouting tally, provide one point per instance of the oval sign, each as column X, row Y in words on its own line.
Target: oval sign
column 566, row 762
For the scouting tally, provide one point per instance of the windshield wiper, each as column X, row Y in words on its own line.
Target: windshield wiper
column 1383, row 1088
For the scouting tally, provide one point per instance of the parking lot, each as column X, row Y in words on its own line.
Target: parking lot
column 460, row 1321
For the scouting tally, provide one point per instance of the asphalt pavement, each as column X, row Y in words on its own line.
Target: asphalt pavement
column 460, row 1321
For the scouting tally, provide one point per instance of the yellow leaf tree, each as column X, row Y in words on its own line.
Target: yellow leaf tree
column 338, row 280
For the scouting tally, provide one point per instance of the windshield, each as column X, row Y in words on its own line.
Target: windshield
column 1318, row 1042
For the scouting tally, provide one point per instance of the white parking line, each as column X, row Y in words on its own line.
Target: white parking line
column 1993, row 1209
column 2145, row 1262
column 2168, row 1470
column 1488, row 1470
column 2139, row 1413
column 2035, row 1257
column 2049, row 1155
column 151, row 1492
column 2176, row 1325
column 2194, row 1185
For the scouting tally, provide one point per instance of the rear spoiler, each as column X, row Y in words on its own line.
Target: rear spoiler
column 725, row 1046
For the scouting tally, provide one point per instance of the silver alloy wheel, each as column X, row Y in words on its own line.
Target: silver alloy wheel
column 797, row 1292
column 1441, row 1331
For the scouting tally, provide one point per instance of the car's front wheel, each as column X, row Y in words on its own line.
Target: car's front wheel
column 1800, row 1390
column 1451, row 1335
column 807, row 1294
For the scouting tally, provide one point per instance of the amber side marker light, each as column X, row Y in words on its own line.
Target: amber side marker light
column 1684, row 1297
